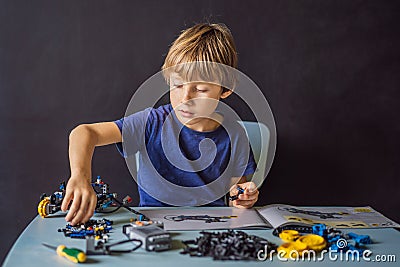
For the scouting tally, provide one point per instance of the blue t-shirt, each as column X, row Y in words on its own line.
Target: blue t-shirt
column 180, row 166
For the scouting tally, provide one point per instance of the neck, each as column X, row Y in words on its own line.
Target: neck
column 206, row 124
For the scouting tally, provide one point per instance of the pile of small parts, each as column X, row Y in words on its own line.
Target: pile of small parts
column 97, row 228
column 228, row 245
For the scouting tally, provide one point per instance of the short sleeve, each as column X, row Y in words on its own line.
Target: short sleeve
column 133, row 129
column 251, row 165
column 243, row 155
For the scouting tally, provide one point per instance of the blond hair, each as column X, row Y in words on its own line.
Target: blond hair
column 201, row 44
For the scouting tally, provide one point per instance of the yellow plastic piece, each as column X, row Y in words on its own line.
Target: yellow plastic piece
column 314, row 242
column 291, row 248
column 42, row 207
column 289, row 235
column 362, row 210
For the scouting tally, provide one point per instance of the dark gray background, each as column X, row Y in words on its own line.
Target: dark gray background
column 330, row 70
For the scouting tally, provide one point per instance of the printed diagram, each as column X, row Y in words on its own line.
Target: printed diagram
column 384, row 224
column 270, row 216
column 335, row 224
column 205, row 218
column 360, row 217
column 321, row 215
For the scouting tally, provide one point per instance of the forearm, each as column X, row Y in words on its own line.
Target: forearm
column 82, row 142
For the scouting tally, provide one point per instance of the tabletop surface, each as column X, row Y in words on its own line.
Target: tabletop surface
column 29, row 251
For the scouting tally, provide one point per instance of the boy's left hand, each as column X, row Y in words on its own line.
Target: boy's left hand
column 249, row 196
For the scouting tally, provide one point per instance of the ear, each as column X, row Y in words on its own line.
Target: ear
column 226, row 93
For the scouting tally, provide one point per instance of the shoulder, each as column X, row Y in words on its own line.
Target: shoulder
column 150, row 114
column 160, row 113
column 233, row 127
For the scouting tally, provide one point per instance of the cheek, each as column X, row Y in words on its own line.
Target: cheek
column 206, row 105
column 174, row 97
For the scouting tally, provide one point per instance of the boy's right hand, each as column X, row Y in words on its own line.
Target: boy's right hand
column 84, row 201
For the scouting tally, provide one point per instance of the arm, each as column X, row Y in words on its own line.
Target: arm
column 82, row 141
column 248, row 198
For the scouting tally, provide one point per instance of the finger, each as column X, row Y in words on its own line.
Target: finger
column 249, row 196
column 250, row 186
column 74, row 208
column 233, row 187
column 254, row 199
column 82, row 212
column 90, row 209
column 79, row 216
column 245, row 204
column 86, row 214
column 250, row 193
column 236, row 205
column 67, row 199
column 234, row 190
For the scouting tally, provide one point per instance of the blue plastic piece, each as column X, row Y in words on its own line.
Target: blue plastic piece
column 107, row 204
column 240, row 191
column 360, row 239
column 334, row 238
column 319, row 229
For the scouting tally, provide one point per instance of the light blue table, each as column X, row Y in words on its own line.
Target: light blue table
column 28, row 249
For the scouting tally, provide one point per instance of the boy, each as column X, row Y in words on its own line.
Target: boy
column 192, row 112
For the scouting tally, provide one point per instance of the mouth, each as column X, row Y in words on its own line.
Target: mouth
column 185, row 113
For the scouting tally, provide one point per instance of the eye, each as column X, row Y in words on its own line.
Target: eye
column 176, row 83
column 201, row 90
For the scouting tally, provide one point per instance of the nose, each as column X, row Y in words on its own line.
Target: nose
column 186, row 93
